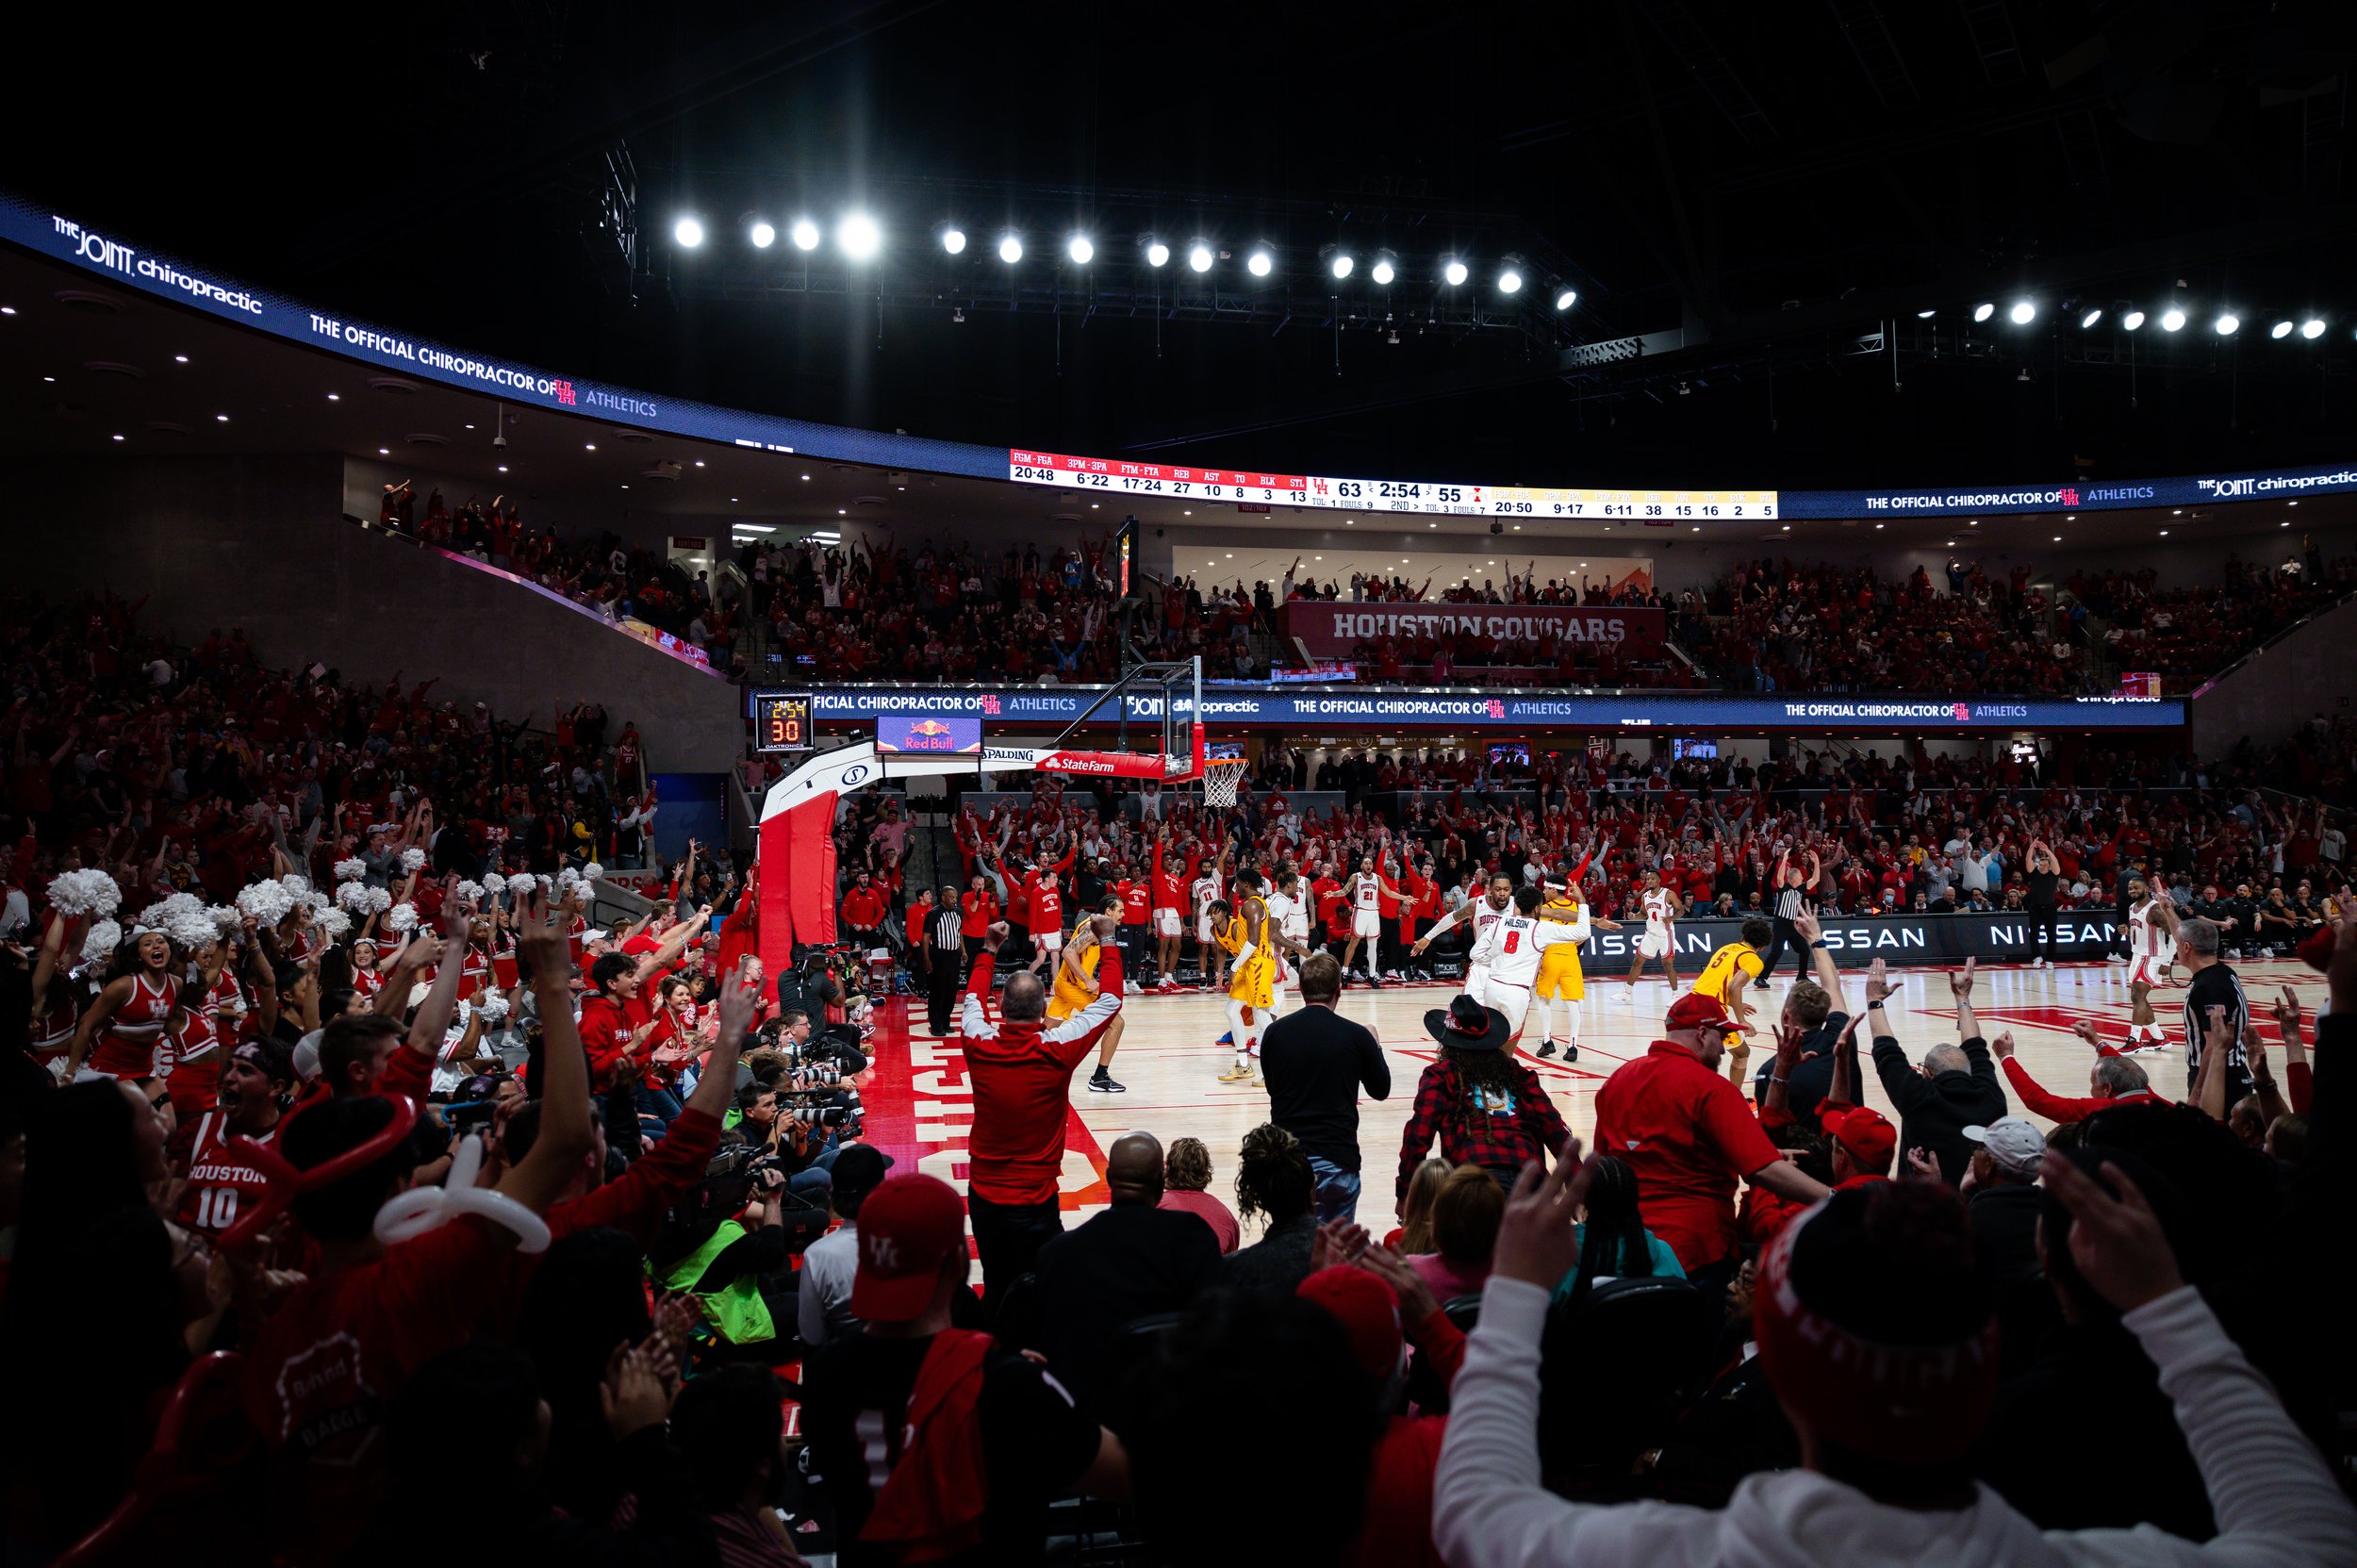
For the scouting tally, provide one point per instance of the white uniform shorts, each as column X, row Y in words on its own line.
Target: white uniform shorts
column 1511, row 1000
column 2146, row 969
column 1366, row 923
column 1166, row 922
column 1654, row 943
column 1203, row 929
column 1050, row 940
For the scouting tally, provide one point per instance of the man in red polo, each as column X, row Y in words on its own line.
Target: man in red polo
column 1684, row 1129
column 2114, row 1078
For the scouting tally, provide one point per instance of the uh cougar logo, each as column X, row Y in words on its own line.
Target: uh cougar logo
column 884, row 1253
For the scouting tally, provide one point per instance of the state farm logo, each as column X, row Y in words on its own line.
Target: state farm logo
column 1963, row 713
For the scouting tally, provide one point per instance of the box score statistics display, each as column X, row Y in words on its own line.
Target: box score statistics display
column 1119, row 476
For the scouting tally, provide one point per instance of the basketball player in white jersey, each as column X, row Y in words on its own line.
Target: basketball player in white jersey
column 1206, row 892
column 1364, row 890
column 1290, row 915
column 1510, row 955
column 1662, row 908
column 2151, row 920
column 1482, row 913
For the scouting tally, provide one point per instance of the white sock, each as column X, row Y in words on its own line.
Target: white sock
column 1570, row 1023
column 1374, row 967
column 1546, row 1018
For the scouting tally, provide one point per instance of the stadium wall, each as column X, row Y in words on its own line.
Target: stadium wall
column 2304, row 676
column 258, row 542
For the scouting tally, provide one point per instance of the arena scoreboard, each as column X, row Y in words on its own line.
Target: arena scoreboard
column 1123, row 477
column 782, row 722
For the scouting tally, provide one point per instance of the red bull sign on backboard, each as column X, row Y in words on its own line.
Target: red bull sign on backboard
column 947, row 735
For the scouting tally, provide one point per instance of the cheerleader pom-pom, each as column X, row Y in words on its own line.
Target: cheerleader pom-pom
column 88, row 892
column 401, row 919
column 592, row 872
column 379, row 900
column 353, row 896
column 493, row 1006
column 412, row 860
column 225, row 918
column 468, row 893
column 99, row 946
column 295, row 884
column 335, row 922
column 522, row 885
column 351, row 870
column 267, row 901
column 182, row 918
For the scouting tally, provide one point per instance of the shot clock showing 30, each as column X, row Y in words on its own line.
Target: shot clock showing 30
column 782, row 722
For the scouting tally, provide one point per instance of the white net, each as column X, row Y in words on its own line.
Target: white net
column 1222, row 777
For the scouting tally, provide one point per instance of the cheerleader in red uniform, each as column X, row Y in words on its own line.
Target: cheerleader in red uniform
column 132, row 1015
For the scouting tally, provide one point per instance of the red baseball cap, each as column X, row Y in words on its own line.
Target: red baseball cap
column 1368, row 1310
column 1865, row 1133
column 1696, row 1011
column 908, row 1228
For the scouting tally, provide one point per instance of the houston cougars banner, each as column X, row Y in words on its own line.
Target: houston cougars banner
column 1328, row 629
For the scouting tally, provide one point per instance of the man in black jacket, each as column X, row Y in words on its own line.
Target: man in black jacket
column 1956, row 1087
column 2003, row 1205
column 1314, row 1062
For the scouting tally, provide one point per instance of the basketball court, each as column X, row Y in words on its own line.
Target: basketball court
column 919, row 1108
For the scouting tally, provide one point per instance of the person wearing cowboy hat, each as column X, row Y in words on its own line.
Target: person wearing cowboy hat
column 1482, row 1104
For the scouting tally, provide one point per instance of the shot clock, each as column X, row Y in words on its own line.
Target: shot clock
column 782, row 722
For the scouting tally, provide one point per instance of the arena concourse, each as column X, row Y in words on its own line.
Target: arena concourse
column 742, row 831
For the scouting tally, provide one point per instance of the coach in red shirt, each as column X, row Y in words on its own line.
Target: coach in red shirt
column 1685, row 1130
column 1020, row 1070
column 863, row 912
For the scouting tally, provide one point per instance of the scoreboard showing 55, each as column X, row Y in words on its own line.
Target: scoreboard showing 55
column 782, row 722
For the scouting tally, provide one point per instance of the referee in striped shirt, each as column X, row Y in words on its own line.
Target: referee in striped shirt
column 1785, row 902
column 945, row 946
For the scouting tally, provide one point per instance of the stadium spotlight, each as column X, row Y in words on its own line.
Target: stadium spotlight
column 2227, row 324
column 1386, row 266
column 1259, row 263
column 2312, row 328
column 2280, row 331
column 762, row 234
column 2093, row 315
column 1080, row 250
column 953, row 240
column 1567, row 299
column 1157, row 253
column 2023, row 313
column 1010, row 249
column 2132, row 320
column 1925, row 315
column 1454, row 270
column 1511, row 279
column 1983, row 310
column 689, row 232
column 1342, row 264
column 1199, row 257
column 859, row 236
column 2173, row 319
column 804, row 234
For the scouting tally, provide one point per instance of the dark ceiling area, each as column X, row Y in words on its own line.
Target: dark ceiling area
column 1753, row 203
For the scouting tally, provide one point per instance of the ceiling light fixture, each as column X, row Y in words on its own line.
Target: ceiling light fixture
column 689, row 232
column 1157, row 253
column 1983, row 310
column 763, row 235
column 953, row 240
column 804, row 234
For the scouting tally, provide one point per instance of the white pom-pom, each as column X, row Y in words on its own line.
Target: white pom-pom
column 568, row 877
column 267, row 901
column 379, row 900
column 592, row 871
column 402, row 918
column 468, row 893
column 224, row 918
column 412, row 860
column 295, row 884
column 522, row 885
column 335, row 922
column 355, row 896
column 314, row 901
column 182, row 918
column 87, row 892
column 351, row 870
column 493, row 1006
column 99, row 946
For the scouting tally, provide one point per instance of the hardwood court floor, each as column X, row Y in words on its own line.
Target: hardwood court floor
column 919, row 1110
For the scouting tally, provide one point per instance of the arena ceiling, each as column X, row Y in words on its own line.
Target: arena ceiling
column 1763, row 197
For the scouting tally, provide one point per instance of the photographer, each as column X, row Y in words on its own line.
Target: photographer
column 792, row 1135
column 731, row 1244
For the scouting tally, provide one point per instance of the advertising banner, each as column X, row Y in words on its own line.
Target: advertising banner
column 897, row 733
column 1331, row 629
column 1229, row 706
column 1856, row 940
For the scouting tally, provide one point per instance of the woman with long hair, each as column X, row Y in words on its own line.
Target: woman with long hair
column 1414, row 1234
column 1613, row 1241
column 1478, row 1102
column 136, row 1008
column 1464, row 1226
column 1274, row 1180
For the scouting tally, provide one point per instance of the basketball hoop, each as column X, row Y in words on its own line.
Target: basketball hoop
column 1222, row 777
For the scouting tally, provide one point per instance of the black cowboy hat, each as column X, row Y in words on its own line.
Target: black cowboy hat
column 1468, row 1025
